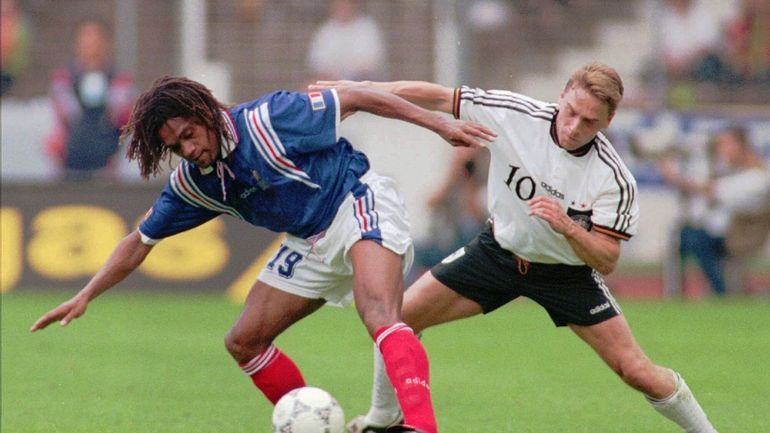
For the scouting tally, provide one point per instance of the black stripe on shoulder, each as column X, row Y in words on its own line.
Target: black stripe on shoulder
column 627, row 191
column 508, row 95
column 505, row 95
column 511, row 106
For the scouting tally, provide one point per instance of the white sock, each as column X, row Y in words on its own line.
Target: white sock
column 384, row 410
column 682, row 408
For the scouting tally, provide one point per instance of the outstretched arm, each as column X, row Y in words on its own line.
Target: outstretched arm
column 126, row 257
column 430, row 96
column 672, row 175
column 456, row 132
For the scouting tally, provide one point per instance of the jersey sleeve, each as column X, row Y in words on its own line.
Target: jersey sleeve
column 468, row 104
column 171, row 215
column 304, row 122
column 500, row 110
column 616, row 210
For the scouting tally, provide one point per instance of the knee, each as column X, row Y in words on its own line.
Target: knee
column 637, row 373
column 244, row 347
column 375, row 322
column 377, row 314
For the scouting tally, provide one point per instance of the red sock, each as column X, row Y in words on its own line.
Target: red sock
column 273, row 373
column 407, row 366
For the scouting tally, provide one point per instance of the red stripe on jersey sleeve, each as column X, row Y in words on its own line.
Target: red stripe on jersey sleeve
column 456, row 103
column 609, row 232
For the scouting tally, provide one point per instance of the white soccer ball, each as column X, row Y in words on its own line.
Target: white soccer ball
column 308, row 410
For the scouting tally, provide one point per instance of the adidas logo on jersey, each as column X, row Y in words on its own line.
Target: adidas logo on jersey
column 553, row 191
column 248, row 192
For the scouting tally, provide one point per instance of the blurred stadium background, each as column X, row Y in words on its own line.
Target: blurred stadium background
column 157, row 360
column 242, row 48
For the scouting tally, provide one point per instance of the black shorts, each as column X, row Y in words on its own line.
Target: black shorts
column 484, row 272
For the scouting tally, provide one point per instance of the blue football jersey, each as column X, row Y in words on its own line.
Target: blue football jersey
column 286, row 170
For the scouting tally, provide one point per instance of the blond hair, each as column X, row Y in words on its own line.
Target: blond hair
column 600, row 80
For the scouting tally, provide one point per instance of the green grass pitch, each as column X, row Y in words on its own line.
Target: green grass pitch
column 156, row 363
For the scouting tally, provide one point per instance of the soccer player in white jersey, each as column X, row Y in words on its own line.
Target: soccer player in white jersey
column 560, row 200
column 278, row 162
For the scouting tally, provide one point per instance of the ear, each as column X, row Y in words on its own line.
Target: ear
column 610, row 117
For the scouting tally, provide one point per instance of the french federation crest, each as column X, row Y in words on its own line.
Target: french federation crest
column 317, row 101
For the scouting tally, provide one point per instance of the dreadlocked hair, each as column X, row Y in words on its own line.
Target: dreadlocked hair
column 169, row 97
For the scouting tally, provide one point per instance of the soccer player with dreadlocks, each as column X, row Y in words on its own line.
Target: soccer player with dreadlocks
column 278, row 162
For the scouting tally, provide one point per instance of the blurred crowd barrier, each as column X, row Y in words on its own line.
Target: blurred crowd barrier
column 56, row 236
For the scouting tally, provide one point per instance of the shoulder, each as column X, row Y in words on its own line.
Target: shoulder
column 611, row 164
column 282, row 100
column 507, row 100
column 273, row 102
column 181, row 175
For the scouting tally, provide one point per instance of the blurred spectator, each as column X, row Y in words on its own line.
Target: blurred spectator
column 690, row 36
column 250, row 10
column 457, row 209
column 546, row 20
column 14, row 34
column 349, row 45
column 737, row 193
column 748, row 43
column 92, row 101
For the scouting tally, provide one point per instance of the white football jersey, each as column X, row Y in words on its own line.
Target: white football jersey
column 592, row 184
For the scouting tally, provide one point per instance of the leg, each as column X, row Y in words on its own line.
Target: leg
column 709, row 252
column 378, row 292
column 665, row 390
column 426, row 303
column 266, row 313
column 673, row 264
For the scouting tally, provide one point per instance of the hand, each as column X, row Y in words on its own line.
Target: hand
column 463, row 133
column 65, row 312
column 547, row 209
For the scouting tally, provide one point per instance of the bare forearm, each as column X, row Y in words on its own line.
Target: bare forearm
column 385, row 104
column 427, row 95
column 126, row 257
column 598, row 251
column 456, row 132
column 673, row 176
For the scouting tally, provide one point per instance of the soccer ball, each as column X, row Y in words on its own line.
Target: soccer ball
column 308, row 410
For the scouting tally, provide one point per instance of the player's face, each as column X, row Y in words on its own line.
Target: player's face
column 190, row 139
column 581, row 117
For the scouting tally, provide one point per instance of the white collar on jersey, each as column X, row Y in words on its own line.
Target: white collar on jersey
column 228, row 144
column 580, row 151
